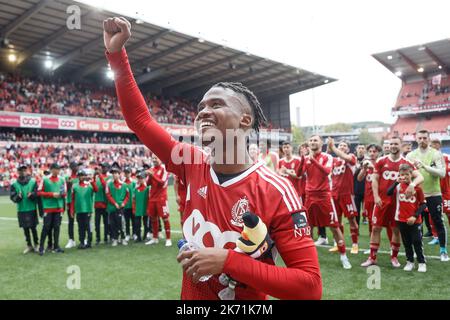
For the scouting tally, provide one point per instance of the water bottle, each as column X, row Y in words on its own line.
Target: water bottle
column 183, row 245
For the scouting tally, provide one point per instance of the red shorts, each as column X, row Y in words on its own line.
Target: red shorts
column 345, row 204
column 369, row 206
column 384, row 216
column 321, row 211
column 446, row 204
column 158, row 209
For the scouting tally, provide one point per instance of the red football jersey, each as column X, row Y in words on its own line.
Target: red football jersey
column 406, row 208
column 293, row 164
column 317, row 172
column 213, row 214
column 387, row 171
column 445, row 182
column 158, row 182
column 181, row 189
column 342, row 176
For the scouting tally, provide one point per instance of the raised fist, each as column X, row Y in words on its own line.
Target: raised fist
column 116, row 32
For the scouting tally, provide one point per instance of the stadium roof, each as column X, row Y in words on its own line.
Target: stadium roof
column 417, row 62
column 163, row 60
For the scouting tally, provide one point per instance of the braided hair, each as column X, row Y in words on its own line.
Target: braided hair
column 259, row 117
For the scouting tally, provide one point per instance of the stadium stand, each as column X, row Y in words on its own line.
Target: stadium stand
column 424, row 98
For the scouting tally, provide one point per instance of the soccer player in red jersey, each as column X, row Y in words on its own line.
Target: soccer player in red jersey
column 445, row 182
column 180, row 191
column 319, row 203
column 408, row 215
column 158, row 205
column 344, row 167
column 385, row 173
column 366, row 172
column 220, row 192
column 288, row 166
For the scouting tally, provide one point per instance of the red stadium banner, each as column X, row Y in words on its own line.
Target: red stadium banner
column 9, row 121
column 49, row 123
column 26, row 120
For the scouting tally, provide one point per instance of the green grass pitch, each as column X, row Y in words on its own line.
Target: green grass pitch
column 143, row 272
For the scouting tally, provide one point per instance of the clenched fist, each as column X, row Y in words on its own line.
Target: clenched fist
column 116, row 32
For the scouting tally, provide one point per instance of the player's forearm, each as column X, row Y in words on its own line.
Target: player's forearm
column 375, row 187
column 342, row 155
column 300, row 282
column 362, row 174
column 135, row 111
column 417, row 177
column 420, row 210
column 437, row 172
column 325, row 170
column 391, row 189
column 127, row 197
column 111, row 199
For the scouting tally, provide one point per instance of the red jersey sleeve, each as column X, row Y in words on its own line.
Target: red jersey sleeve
column 137, row 116
column 420, row 196
column 300, row 279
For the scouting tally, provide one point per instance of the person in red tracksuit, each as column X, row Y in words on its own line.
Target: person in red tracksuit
column 158, row 206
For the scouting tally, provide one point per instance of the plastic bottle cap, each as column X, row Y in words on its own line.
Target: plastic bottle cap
column 181, row 243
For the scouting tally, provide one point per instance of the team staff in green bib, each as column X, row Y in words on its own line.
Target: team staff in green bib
column 23, row 192
column 117, row 195
column 71, row 180
column 430, row 163
column 140, row 204
column 52, row 190
column 130, row 184
column 82, row 206
column 101, row 179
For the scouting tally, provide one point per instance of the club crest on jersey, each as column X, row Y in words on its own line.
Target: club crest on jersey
column 238, row 210
column 202, row 191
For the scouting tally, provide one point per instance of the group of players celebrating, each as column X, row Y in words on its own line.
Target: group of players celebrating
column 121, row 199
column 401, row 187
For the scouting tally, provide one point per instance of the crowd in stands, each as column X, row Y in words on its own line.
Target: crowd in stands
column 41, row 158
column 424, row 95
column 29, row 135
column 20, row 94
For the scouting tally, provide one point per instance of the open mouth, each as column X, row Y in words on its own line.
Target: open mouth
column 206, row 125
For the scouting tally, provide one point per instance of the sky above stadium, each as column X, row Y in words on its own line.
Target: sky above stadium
column 333, row 38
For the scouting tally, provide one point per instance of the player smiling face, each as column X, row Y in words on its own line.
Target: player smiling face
column 394, row 145
column 222, row 109
column 315, row 143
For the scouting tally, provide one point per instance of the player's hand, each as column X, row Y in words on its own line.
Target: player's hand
column 330, row 143
column 29, row 195
column 116, row 32
column 378, row 202
column 178, row 199
column 122, row 206
column 56, row 195
column 418, row 164
column 411, row 220
column 117, row 206
column 202, row 262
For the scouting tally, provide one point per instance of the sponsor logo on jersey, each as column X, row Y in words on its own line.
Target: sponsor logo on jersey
column 238, row 210
column 202, row 191
column 402, row 197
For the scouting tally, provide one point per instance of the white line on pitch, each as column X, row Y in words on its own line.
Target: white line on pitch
column 65, row 222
